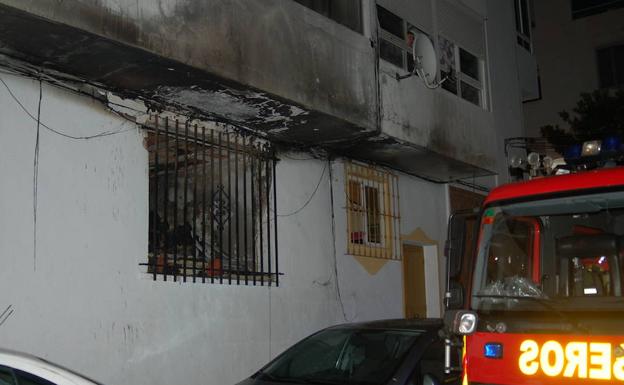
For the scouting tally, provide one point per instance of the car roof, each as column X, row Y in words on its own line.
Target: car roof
column 422, row 324
column 42, row 368
column 586, row 180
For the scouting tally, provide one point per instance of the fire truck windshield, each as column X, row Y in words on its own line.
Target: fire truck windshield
column 560, row 254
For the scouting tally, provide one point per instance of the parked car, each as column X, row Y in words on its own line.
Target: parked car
column 23, row 369
column 397, row 352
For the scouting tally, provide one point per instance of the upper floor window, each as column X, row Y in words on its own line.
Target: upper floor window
column 523, row 22
column 345, row 12
column 463, row 72
column 583, row 8
column 611, row 66
column 396, row 37
column 372, row 207
column 211, row 206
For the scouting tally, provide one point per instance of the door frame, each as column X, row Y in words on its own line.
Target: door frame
column 432, row 276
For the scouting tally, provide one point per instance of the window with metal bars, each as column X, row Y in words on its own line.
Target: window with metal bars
column 372, row 212
column 212, row 202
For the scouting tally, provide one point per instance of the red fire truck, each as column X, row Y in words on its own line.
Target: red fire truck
column 539, row 297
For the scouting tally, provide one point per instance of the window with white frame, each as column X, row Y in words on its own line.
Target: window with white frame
column 395, row 39
column 523, row 23
column 372, row 212
column 462, row 70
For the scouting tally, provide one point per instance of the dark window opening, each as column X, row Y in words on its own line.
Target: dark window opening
column 611, row 66
column 391, row 53
column 523, row 10
column 470, row 93
column 211, row 207
column 390, row 22
column 395, row 39
column 584, row 8
column 345, row 12
column 469, row 64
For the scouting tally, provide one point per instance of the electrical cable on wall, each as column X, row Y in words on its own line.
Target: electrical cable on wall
column 333, row 231
column 36, row 174
column 57, row 132
column 309, row 199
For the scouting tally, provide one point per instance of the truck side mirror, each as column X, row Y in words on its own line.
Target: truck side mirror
column 455, row 244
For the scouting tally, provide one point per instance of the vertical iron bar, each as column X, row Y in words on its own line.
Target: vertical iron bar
column 194, row 216
column 237, row 148
column 253, row 210
column 184, row 209
column 229, row 195
column 260, row 226
column 203, row 245
column 175, row 203
column 275, row 220
column 212, row 237
column 165, row 203
column 154, row 202
column 349, row 204
column 388, row 242
column 397, row 214
column 268, row 217
column 245, row 154
column 221, row 266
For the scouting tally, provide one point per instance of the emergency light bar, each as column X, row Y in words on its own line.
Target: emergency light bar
column 541, row 161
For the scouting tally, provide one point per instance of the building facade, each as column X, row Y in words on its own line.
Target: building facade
column 194, row 186
column 579, row 47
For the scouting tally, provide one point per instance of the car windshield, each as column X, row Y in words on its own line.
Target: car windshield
column 343, row 356
column 562, row 254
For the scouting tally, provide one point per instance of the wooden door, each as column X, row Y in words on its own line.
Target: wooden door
column 414, row 282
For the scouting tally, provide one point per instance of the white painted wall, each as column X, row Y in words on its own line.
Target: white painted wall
column 87, row 305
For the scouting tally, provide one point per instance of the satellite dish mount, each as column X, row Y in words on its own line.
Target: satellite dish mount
column 425, row 61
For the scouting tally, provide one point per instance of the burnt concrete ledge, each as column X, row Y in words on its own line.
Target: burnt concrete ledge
column 135, row 72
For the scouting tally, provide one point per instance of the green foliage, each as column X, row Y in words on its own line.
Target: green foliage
column 596, row 115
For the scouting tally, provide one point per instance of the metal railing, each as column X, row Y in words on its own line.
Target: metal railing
column 212, row 205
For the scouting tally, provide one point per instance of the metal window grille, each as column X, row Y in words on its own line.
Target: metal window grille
column 212, row 201
column 373, row 222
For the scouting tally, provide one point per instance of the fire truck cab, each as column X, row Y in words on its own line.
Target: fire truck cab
column 539, row 296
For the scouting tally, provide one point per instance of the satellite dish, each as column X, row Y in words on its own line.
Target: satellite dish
column 425, row 60
column 424, row 56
